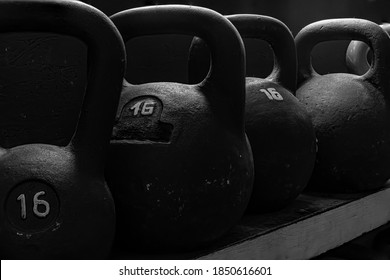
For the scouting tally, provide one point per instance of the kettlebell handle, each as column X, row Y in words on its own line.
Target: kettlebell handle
column 227, row 70
column 106, row 61
column 356, row 55
column 278, row 35
column 345, row 29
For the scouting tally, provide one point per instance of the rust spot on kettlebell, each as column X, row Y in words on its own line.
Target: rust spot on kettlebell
column 32, row 206
column 140, row 120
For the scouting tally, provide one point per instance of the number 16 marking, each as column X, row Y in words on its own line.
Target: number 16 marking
column 272, row 94
column 143, row 108
column 23, row 213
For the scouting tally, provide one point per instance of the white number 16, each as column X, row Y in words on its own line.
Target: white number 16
column 272, row 94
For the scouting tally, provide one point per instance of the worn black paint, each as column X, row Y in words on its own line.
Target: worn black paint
column 179, row 195
column 280, row 131
column 350, row 113
column 82, row 224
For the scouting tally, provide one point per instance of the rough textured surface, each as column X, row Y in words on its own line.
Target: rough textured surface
column 80, row 225
column 357, row 54
column 55, row 202
column 352, row 126
column 283, row 143
column 182, row 175
column 279, row 128
column 179, row 193
column 350, row 113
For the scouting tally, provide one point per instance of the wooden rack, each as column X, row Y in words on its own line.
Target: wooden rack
column 312, row 225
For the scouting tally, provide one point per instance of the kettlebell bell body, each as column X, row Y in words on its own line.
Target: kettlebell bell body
column 180, row 167
column 350, row 113
column 356, row 55
column 279, row 129
column 55, row 202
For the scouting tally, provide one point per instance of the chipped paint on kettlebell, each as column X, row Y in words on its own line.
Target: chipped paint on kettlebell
column 55, row 201
column 139, row 120
column 180, row 194
column 279, row 128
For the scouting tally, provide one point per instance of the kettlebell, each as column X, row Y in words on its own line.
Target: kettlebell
column 55, row 202
column 180, row 167
column 279, row 128
column 350, row 113
column 356, row 55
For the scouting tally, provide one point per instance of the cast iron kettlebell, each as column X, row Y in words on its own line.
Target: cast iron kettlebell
column 279, row 128
column 357, row 52
column 180, row 166
column 55, row 202
column 350, row 112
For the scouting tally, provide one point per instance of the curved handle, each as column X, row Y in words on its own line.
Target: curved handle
column 345, row 29
column 262, row 27
column 279, row 36
column 106, row 60
column 356, row 55
column 227, row 70
column 198, row 60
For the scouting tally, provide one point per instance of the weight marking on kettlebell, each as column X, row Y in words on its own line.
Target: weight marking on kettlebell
column 140, row 120
column 36, row 203
column 143, row 108
column 272, row 94
column 32, row 206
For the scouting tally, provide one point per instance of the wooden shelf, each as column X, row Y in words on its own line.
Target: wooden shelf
column 312, row 225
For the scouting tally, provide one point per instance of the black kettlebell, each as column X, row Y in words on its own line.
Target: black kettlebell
column 55, row 202
column 180, row 166
column 350, row 112
column 278, row 127
column 356, row 55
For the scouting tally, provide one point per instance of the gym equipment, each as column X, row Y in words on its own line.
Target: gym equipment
column 180, row 166
column 357, row 55
column 350, row 113
column 55, row 202
column 279, row 128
